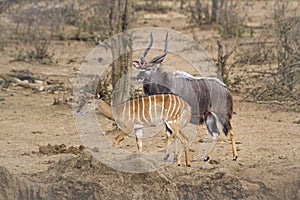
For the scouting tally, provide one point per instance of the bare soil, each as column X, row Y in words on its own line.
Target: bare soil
column 42, row 156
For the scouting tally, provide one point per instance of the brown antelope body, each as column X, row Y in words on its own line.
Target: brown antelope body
column 168, row 109
column 137, row 113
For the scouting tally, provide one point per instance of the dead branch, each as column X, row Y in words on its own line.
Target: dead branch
column 260, row 72
column 256, row 43
column 9, row 80
column 270, row 102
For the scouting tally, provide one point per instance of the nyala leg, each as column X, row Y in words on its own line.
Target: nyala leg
column 117, row 140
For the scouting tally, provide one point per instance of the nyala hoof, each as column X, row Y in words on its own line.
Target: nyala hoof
column 166, row 157
column 206, row 159
column 175, row 159
column 235, row 158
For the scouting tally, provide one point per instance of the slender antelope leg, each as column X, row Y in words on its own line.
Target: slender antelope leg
column 139, row 142
column 174, row 128
column 181, row 150
column 175, row 149
column 206, row 157
column 171, row 133
column 117, row 140
column 235, row 156
column 187, row 157
column 168, row 146
column 187, row 149
column 184, row 147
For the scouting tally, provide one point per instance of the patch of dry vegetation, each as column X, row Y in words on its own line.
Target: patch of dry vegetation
column 266, row 55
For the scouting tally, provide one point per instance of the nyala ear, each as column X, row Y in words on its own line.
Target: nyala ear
column 136, row 64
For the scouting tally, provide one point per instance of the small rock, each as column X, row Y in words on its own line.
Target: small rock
column 192, row 150
column 36, row 132
column 95, row 149
column 42, row 88
column 8, row 142
column 49, row 161
column 297, row 122
column 282, row 157
column 218, row 175
column 201, row 140
column 213, row 161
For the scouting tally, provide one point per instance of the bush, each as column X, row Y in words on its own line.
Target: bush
column 222, row 12
column 277, row 56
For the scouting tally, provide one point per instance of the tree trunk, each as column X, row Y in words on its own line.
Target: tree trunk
column 120, row 17
column 199, row 12
column 214, row 11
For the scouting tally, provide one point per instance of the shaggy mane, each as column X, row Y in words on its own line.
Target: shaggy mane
column 181, row 74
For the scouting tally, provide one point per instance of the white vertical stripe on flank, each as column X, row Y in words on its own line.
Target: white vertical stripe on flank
column 162, row 106
column 154, row 99
column 150, row 109
column 124, row 109
column 133, row 110
column 143, row 111
column 174, row 106
column 170, row 104
column 179, row 105
column 138, row 111
column 129, row 112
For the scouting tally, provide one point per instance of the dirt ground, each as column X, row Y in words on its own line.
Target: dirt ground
column 41, row 156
